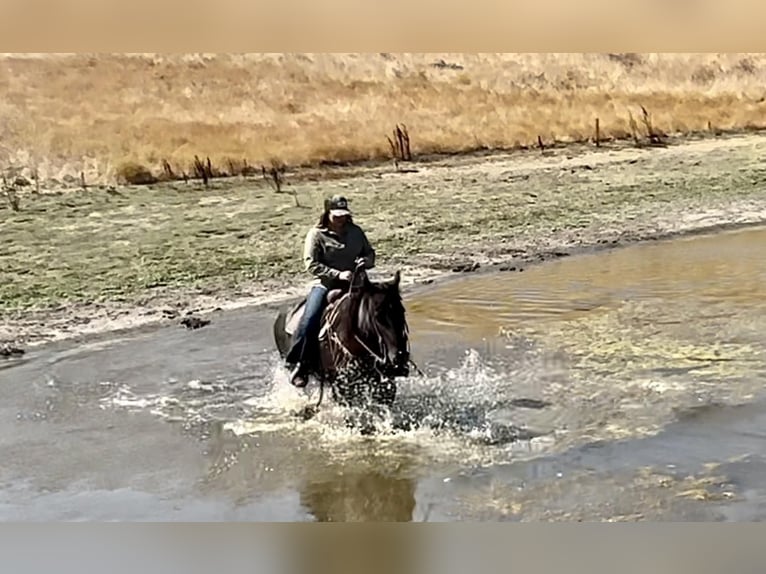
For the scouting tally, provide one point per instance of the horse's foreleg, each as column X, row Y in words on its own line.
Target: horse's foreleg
column 309, row 411
column 384, row 391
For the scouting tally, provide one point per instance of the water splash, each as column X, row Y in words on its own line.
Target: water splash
column 448, row 414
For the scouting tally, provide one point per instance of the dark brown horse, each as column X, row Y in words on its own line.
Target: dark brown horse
column 363, row 341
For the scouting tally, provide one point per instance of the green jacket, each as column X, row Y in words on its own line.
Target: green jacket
column 326, row 254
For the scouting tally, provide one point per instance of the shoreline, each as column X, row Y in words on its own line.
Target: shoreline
column 652, row 222
column 131, row 319
column 330, row 170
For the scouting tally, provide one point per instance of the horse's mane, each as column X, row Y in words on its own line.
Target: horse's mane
column 392, row 302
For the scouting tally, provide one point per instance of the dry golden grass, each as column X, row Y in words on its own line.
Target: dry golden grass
column 81, row 113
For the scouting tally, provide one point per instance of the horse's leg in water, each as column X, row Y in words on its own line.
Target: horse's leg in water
column 352, row 386
column 358, row 390
column 309, row 411
column 384, row 391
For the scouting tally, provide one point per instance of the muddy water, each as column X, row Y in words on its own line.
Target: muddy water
column 626, row 384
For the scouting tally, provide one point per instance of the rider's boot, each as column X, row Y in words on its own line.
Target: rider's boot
column 298, row 378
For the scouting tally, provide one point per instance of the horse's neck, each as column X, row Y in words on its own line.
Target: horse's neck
column 343, row 316
column 341, row 312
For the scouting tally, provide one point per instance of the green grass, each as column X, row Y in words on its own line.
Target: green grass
column 92, row 245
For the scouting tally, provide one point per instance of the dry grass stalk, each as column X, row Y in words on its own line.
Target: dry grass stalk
column 275, row 174
column 400, row 145
column 11, row 196
column 633, row 129
column 202, row 171
column 167, row 170
column 13, row 199
column 404, row 142
column 247, row 169
column 651, row 133
column 394, row 153
column 598, row 133
column 239, row 167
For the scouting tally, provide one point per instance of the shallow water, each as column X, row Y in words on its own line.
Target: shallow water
column 562, row 392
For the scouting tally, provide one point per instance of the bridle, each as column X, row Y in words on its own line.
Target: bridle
column 380, row 364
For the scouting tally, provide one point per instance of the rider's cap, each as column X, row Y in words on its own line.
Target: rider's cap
column 338, row 206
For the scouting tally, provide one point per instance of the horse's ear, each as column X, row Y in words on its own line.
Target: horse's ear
column 359, row 278
column 397, row 278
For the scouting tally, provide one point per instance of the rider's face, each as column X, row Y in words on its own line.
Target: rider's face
column 338, row 220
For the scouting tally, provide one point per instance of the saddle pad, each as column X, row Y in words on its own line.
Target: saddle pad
column 292, row 322
column 297, row 313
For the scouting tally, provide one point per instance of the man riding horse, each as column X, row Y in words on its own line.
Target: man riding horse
column 331, row 252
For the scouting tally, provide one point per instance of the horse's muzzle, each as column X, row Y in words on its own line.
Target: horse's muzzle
column 400, row 367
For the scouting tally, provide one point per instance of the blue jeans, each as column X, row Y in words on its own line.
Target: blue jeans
column 304, row 349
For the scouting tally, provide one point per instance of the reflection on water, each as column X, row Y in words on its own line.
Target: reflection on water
column 369, row 483
column 351, row 495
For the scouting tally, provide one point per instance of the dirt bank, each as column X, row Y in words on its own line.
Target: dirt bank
column 84, row 262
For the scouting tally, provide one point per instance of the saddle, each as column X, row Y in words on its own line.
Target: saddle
column 297, row 313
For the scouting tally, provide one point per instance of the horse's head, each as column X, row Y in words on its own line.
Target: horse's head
column 381, row 321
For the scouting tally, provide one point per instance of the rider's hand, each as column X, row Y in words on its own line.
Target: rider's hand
column 345, row 275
